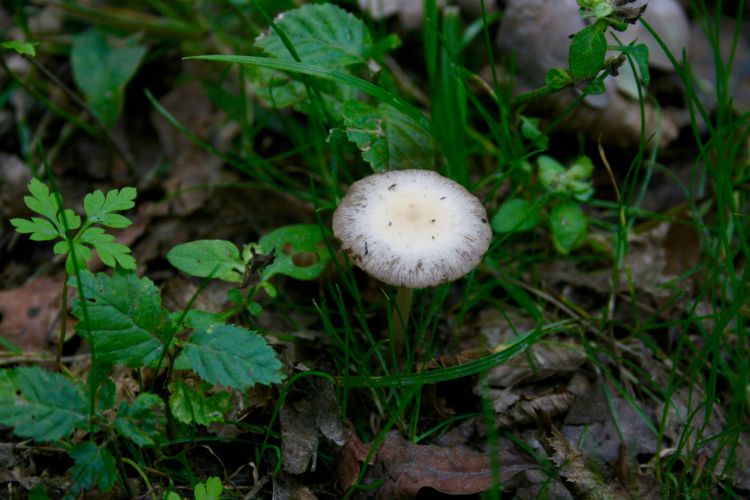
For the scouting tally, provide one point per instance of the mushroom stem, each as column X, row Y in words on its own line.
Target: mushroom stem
column 403, row 307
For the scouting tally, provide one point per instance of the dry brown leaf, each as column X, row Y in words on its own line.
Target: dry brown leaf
column 591, row 424
column 577, row 469
column 543, row 360
column 30, row 314
column 526, row 410
column 406, row 468
column 309, row 411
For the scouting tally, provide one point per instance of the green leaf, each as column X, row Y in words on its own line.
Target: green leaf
column 514, row 216
column 102, row 68
column 321, row 34
column 142, row 421
column 100, row 208
column 39, row 404
column 111, row 252
column 551, row 173
column 328, row 74
column 569, row 225
column 388, row 138
column 210, row 490
column 192, row 406
column 40, row 229
column 42, row 201
column 22, row 48
column 94, row 467
column 587, row 52
column 232, row 356
column 300, row 251
column 128, row 324
column 558, row 78
column 218, row 259
column 639, row 53
column 530, row 130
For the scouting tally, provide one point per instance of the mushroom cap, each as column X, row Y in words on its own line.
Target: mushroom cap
column 412, row 228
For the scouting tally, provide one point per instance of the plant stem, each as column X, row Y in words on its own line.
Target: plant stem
column 63, row 325
column 403, row 306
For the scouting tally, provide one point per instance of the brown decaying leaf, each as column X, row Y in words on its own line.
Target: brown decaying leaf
column 405, row 468
column 525, row 410
column 30, row 314
column 310, row 410
column 542, row 361
column 576, row 468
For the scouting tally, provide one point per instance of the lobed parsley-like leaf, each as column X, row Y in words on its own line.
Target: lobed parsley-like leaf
column 39, row 404
column 100, row 208
column 128, row 323
column 94, row 467
column 111, row 252
column 232, row 356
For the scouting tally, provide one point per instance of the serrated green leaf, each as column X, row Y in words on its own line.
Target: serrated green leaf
column 300, row 251
column 587, row 52
column 101, row 69
column 94, row 467
column 39, row 404
column 40, row 229
column 20, row 47
column 128, row 324
column 142, row 421
column 569, row 225
column 210, row 490
column 191, row 406
column 232, row 356
column 116, row 221
column 388, row 139
column 321, row 34
column 219, row 259
column 514, row 216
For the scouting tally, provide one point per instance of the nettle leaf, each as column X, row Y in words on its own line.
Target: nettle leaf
column 218, row 259
column 388, row 138
column 100, row 208
column 193, row 406
column 143, row 420
column 569, row 225
column 128, row 324
column 94, row 467
column 300, row 249
column 322, row 34
column 39, row 404
column 514, row 216
column 232, row 356
column 102, row 67
column 587, row 51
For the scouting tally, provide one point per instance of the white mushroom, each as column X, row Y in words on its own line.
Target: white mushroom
column 412, row 228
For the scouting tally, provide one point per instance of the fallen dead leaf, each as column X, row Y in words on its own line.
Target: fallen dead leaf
column 543, row 360
column 406, row 468
column 309, row 411
column 30, row 314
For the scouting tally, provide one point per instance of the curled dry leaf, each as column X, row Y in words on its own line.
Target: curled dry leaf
column 309, row 411
column 514, row 409
column 578, row 469
column 406, row 468
column 541, row 361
